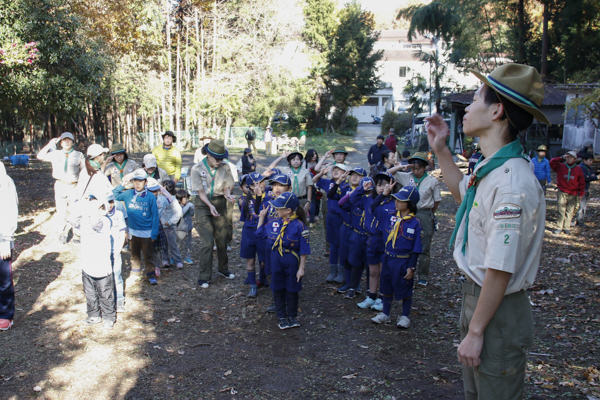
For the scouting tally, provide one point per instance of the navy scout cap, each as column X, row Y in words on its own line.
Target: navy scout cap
column 286, row 200
column 408, row 193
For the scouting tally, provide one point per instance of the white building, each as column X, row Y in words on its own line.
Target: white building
column 400, row 64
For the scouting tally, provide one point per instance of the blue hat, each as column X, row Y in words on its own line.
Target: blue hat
column 153, row 185
column 408, row 193
column 282, row 179
column 243, row 178
column 255, row 177
column 286, row 200
column 360, row 171
column 366, row 179
column 276, row 171
column 385, row 175
column 110, row 197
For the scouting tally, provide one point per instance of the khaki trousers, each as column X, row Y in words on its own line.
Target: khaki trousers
column 268, row 148
column 251, row 145
column 425, row 216
column 567, row 206
column 211, row 230
column 65, row 195
column 501, row 373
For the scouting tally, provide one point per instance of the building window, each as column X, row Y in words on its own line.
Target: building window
column 402, row 72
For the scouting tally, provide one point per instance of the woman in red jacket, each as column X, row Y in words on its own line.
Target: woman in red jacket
column 571, row 186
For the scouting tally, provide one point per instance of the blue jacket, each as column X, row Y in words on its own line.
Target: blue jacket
column 142, row 213
column 542, row 169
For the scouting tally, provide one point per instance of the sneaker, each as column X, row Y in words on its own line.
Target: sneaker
column 179, row 266
column 62, row 239
column 188, row 260
column 253, row 291
column 343, row 289
column 215, row 248
column 226, row 275
column 228, row 248
column 283, row 324
column 92, row 320
column 381, row 318
column 557, row 232
column 367, row 303
column 271, row 308
column 262, row 284
column 423, row 282
column 203, row 284
column 5, row 324
column 153, row 281
column 108, row 325
column 567, row 232
column 403, row 322
column 120, row 306
column 378, row 306
column 76, row 240
column 293, row 322
column 350, row 294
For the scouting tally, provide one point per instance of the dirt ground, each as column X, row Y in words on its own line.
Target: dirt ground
column 179, row 341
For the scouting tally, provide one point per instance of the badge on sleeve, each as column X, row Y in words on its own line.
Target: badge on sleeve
column 507, row 210
column 203, row 174
column 305, row 233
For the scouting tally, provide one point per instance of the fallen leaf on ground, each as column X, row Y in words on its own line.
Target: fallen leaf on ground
column 227, row 373
column 351, row 376
column 37, row 389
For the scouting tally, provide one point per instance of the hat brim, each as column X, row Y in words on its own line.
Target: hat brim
column 397, row 197
column 138, row 178
column 410, row 160
column 341, row 166
column 294, row 154
column 272, row 181
column 383, row 176
column 118, row 151
column 168, row 134
column 216, row 155
column 537, row 114
column 340, row 151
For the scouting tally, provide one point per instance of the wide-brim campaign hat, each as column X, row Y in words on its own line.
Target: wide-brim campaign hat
column 384, row 175
column 340, row 149
column 407, row 193
column 217, row 149
column 95, row 150
column 542, row 148
column 117, row 148
column 294, row 154
column 520, row 84
column 169, row 133
column 286, row 200
column 255, row 177
column 282, row 179
column 359, row 170
column 152, row 185
column 139, row 175
column 418, row 156
column 67, row 135
column 149, row 161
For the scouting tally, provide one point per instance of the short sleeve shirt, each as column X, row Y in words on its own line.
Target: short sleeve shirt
column 211, row 181
column 506, row 225
column 304, row 179
column 429, row 188
column 75, row 163
column 116, row 174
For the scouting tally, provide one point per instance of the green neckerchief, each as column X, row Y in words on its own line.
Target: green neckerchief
column 95, row 164
column 419, row 180
column 511, row 150
column 570, row 167
column 295, row 185
column 212, row 175
column 121, row 167
column 67, row 157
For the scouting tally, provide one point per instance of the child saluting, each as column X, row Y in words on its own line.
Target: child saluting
column 288, row 241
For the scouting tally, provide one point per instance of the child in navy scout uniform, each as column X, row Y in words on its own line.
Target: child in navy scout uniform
column 402, row 249
column 251, row 245
column 288, row 238
column 334, row 220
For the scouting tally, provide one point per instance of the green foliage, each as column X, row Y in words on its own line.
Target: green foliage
column 319, row 24
column 400, row 122
column 435, row 18
column 417, row 93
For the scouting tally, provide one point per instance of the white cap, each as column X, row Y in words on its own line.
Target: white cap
column 95, row 150
column 150, row 161
column 343, row 167
column 67, row 135
column 139, row 175
column 571, row 153
column 152, row 185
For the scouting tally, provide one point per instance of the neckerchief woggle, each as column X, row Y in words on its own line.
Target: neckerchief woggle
column 511, row 150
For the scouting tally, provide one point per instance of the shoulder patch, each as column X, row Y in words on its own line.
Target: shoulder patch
column 306, row 233
column 507, row 210
column 203, row 174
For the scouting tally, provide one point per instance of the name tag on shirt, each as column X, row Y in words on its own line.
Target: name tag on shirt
column 410, row 230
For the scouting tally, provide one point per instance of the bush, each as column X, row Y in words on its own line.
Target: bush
column 388, row 120
column 400, row 122
column 351, row 123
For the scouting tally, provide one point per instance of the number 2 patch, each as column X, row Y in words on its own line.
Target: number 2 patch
column 506, row 239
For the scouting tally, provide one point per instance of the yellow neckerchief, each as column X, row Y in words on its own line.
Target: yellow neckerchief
column 394, row 233
column 279, row 241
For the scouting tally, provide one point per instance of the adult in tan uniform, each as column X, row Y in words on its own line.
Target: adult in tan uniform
column 430, row 197
column 300, row 177
column 499, row 230
column 211, row 183
column 119, row 164
column 67, row 163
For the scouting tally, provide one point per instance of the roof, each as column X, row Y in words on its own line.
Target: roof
column 402, row 35
column 553, row 96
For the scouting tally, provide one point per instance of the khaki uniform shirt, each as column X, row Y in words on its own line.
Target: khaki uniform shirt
column 304, row 179
column 75, row 163
column 211, row 182
column 506, row 225
column 429, row 188
column 115, row 173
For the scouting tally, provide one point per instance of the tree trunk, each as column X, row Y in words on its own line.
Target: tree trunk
column 544, row 69
column 214, row 65
column 198, row 51
column 178, row 87
column 187, row 79
column 522, row 32
column 169, row 58
column 227, row 129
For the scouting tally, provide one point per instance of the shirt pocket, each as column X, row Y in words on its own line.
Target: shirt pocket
column 476, row 221
column 408, row 235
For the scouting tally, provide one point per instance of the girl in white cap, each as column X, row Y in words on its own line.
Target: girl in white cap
column 67, row 163
column 151, row 167
column 91, row 179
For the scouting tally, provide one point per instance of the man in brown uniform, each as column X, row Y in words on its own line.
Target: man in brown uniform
column 211, row 183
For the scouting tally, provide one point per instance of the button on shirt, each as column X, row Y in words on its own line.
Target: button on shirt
column 506, row 225
column 429, row 188
column 211, row 181
column 304, row 179
column 75, row 164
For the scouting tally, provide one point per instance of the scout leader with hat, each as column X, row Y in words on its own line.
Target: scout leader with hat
column 119, row 164
column 430, row 197
column 151, row 167
column 67, row 163
column 211, row 182
column 541, row 167
column 299, row 175
column 499, row 230
column 168, row 156
column 571, row 188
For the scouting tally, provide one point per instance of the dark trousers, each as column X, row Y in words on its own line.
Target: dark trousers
column 229, row 222
column 315, row 206
column 286, row 303
column 100, row 296
column 138, row 246
column 7, row 290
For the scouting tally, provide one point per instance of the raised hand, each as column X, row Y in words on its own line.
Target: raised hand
column 367, row 185
column 387, row 190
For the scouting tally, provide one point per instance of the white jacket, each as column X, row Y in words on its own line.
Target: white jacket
column 9, row 207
